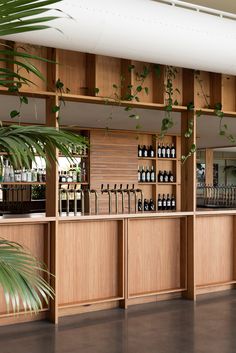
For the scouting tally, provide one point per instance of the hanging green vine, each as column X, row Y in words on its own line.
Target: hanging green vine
column 167, row 122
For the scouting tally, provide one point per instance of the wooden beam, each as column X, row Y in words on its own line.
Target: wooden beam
column 209, row 166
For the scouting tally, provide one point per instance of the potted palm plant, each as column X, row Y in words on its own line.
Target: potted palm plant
column 22, row 276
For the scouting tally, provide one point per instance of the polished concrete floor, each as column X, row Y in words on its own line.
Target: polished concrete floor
column 176, row 326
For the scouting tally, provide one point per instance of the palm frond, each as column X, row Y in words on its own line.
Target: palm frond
column 17, row 16
column 23, row 143
column 21, row 277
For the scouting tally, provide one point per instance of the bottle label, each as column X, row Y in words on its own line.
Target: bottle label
column 161, row 178
column 171, row 178
column 143, row 177
column 153, row 177
column 164, row 203
column 145, row 153
column 168, row 203
column 140, row 153
column 148, row 177
column 159, row 152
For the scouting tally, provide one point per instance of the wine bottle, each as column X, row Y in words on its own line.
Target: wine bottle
column 144, row 151
column 163, row 151
column 171, row 177
column 160, row 177
column 173, row 151
column 151, row 205
column 140, row 153
column 159, row 202
column 84, row 173
column 148, row 175
column 164, row 202
column 143, row 175
column 23, row 175
column 145, row 205
column 167, row 151
column 151, row 152
column 159, row 150
column 139, row 175
column 173, row 203
column 140, row 205
column 168, row 202
column 74, row 173
column 64, row 177
column 153, row 175
column 165, row 177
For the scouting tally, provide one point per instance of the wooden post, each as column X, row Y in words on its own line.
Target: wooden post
column 188, row 179
column 52, row 184
column 209, row 166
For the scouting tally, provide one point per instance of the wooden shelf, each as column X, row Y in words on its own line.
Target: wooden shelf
column 147, row 183
column 22, row 183
column 147, row 158
column 168, row 183
column 159, row 292
column 73, row 182
column 90, row 302
column 166, row 159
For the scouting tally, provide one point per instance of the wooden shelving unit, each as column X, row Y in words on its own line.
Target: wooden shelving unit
column 168, row 164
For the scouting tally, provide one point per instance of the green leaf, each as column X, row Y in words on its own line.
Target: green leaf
column 24, row 100
column 59, row 84
column 139, row 88
column 14, row 114
column 190, row 106
column 131, row 67
column 128, row 108
column 115, row 86
column 157, row 70
column 96, row 90
column 137, row 99
column 146, row 90
column 55, row 109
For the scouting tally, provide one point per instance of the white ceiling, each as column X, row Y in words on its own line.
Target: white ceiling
column 143, row 30
column 97, row 116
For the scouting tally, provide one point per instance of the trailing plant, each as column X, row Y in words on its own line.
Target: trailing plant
column 60, row 88
column 188, row 133
column 131, row 92
column 167, row 122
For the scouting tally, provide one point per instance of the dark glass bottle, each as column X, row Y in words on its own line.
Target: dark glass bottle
column 164, row 202
column 173, row 203
column 143, row 175
column 159, row 203
column 140, row 152
column 165, row 177
column 171, row 177
column 163, row 151
column 153, row 175
column 151, row 205
column 139, row 175
column 151, row 152
column 148, row 175
column 145, row 205
column 144, row 151
column 167, row 151
column 168, row 202
column 160, row 177
column 159, row 150
column 140, row 205
column 173, row 151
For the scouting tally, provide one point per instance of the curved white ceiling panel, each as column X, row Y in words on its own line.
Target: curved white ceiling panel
column 143, row 30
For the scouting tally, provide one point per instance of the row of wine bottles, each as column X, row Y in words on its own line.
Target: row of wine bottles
column 74, row 174
column 163, row 151
column 164, row 203
column 149, row 176
column 22, row 175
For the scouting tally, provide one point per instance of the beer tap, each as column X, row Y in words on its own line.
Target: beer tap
column 107, row 191
column 121, row 191
column 114, row 191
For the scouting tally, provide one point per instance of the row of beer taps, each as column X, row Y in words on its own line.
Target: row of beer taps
column 122, row 191
column 73, row 195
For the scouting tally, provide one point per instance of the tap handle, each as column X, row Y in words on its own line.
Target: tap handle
column 115, row 187
column 102, row 187
column 133, row 187
column 127, row 186
column 120, row 186
column 107, row 186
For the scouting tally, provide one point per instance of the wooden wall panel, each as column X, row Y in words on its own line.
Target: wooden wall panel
column 202, row 90
column 154, row 248
column 108, row 73
column 113, row 160
column 39, row 85
column 228, row 93
column 139, row 68
column 214, row 249
column 89, row 261
column 72, row 71
column 32, row 237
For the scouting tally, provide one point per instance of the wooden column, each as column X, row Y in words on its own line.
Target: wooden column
column 209, row 166
column 52, row 184
column 188, row 178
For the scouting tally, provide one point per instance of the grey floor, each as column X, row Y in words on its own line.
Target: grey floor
column 176, row 326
